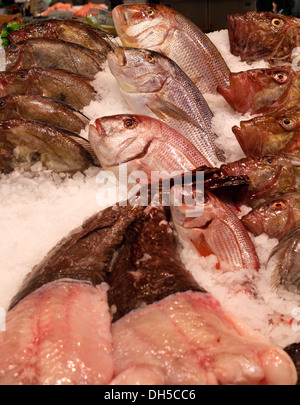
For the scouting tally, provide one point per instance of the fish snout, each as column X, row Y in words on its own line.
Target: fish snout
column 252, row 223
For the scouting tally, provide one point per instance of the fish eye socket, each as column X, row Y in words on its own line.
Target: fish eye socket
column 130, row 123
column 280, row 77
column 277, row 22
column 150, row 58
column 278, row 205
column 288, row 124
column 22, row 76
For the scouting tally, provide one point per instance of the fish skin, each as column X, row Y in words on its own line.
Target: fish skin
column 188, row 339
column 275, row 217
column 144, row 143
column 54, row 54
column 38, row 108
column 170, row 33
column 263, row 35
column 286, row 257
column 270, row 177
column 155, row 86
column 263, row 91
column 58, row 335
column 26, row 142
column 276, row 133
column 68, row 30
column 217, row 230
column 70, row 88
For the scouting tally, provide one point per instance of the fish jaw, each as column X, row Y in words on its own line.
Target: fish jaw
column 249, row 138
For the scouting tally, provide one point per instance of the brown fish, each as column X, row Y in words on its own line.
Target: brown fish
column 55, row 54
column 23, row 143
column 32, row 107
column 263, row 35
column 263, row 91
column 161, row 29
column 271, row 133
column 75, row 90
column 68, row 30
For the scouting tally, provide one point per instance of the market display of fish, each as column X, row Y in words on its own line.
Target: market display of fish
column 161, row 29
column 270, row 177
column 28, row 142
column 46, row 340
column 276, row 133
column 32, row 107
column 58, row 84
column 187, row 338
column 55, row 54
column 263, row 35
column 263, row 91
column 285, row 255
column 154, row 85
column 74, row 31
column 213, row 229
column 275, row 217
column 144, row 143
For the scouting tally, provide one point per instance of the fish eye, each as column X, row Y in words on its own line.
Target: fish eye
column 268, row 159
column 150, row 58
column 278, row 205
column 14, row 48
column 288, row 124
column 22, row 75
column 2, row 103
column 277, row 22
column 280, row 77
column 130, row 123
column 150, row 12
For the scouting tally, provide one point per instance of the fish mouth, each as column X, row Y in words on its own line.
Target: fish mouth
column 249, row 139
column 99, row 128
column 119, row 17
column 118, row 56
column 252, row 223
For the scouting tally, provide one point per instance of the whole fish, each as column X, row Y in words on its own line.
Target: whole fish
column 286, row 273
column 270, row 177
column 272, row 133
column 263, row 35
column 27, row 142
column 161, row 29
column 213, row 230
column 276, row 217
column 154, row 85
column 75, row 90
column 55, row 54
column 263, row 91
column 144, row 143
column 68, row 30
column 58, row 335
column 32, row 107
column 188, row 339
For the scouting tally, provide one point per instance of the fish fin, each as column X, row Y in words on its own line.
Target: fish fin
column 86, row 145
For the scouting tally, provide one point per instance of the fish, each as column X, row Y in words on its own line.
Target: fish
column 188, row 339
column 263, row 91
column 74, row 31
column 54, row 54
column 276, row 133
column 143, row 143
column 58, row 335
column 212, row 228
column 164, row 30
column 263, row 36
column 23, row 143
column 30, row 107
column 270, row 177
column 275, row 217
column 155, row 86
column 58, row 84
column 284, row 261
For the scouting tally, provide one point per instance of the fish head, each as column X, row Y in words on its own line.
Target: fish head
column 262, row 35
column 256, row 90
column 142, row 25
column 275, row 217
column 14, row 82
column 122, row 138
column 268, row 133
column 139, row 70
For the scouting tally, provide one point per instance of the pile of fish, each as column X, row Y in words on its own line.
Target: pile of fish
column 47, row 81
column 113, row 303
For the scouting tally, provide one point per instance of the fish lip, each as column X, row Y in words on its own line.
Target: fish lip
column 118, row 56
column 119, row 15
column 98, row 128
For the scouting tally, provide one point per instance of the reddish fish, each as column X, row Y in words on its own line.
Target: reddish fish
column 263, row 35
column 263, row 90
